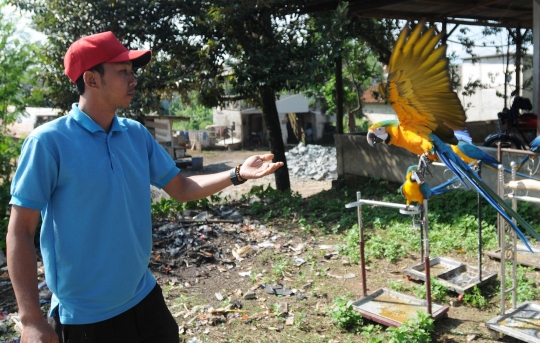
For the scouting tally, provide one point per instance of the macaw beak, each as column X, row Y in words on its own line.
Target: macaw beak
column 372, row 139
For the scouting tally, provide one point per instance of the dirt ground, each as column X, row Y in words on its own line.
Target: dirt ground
column 232, row 283
column 221, row 160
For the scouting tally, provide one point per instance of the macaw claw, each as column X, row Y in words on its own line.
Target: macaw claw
column 419, row 174
column 418, row 177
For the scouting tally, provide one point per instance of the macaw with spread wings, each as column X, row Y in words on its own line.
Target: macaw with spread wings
column 429, row 111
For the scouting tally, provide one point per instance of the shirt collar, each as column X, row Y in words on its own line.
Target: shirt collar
column 89, row 124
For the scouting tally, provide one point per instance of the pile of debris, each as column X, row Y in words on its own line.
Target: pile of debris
column 312, row 162
column 217, row 235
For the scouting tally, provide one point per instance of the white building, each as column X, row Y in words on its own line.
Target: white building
column 250, row 128
column 32, row 118
column 490, row 71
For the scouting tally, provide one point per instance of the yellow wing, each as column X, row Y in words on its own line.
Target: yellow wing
column 419, row 87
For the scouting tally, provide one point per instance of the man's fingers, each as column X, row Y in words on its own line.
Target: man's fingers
column 266, row 157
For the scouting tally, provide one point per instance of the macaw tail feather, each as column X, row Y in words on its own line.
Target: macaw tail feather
column 523, row 161
column 463, row 171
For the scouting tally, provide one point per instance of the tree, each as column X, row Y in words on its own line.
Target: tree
column 18, row 89
column 137, row 24
column 257, row 49
column 269, row 48
column 360, row 69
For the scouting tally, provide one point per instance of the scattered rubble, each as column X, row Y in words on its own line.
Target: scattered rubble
column 312, row 162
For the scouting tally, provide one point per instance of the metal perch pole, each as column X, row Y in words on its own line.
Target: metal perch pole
column 361, row 242
column 427, row 265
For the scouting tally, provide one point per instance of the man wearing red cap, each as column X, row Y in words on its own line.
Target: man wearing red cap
column 88, row 175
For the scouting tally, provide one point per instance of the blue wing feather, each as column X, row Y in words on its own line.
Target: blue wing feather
column 463, row 135
column 425, row 190
column 476, row 153
column 463, row 171
column 473, row 151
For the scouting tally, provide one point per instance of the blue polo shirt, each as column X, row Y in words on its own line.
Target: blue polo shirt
column 93, row 191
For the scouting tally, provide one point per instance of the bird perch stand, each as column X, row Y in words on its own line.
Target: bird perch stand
column 385, row 306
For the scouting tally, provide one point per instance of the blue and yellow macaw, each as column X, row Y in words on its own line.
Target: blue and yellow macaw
column 534, row 147
column 429, row 111
column 412, row 190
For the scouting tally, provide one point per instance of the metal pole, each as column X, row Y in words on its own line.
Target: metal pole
column 427, row 266
column 361, row 238
column 513, row 165
column 479, row 227
column 421, row 238
column 381, row 203
column 502, row 245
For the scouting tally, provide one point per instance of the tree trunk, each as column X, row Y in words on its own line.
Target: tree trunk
column 351, row 122
column 271, row 119
column 339, row 95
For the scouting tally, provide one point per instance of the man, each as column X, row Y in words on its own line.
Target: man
column 88, row 174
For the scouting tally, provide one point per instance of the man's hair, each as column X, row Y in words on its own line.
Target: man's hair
column 100, row 69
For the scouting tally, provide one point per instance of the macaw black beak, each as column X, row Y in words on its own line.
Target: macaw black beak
column 372, row 139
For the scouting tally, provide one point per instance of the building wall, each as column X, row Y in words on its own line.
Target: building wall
column 485, row 104
column 225, row 117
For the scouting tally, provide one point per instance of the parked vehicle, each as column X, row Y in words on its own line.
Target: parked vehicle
column 515, row 130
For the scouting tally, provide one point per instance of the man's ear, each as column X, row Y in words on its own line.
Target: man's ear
column 90, row 79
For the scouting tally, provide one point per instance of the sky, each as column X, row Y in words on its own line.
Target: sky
column 475, row 34
column 23, row 23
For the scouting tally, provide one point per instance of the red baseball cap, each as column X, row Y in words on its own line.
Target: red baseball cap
column 92, row 50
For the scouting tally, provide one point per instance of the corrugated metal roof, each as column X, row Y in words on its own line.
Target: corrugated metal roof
column 507, row 13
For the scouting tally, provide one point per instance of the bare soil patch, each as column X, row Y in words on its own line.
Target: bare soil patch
column 221, row 160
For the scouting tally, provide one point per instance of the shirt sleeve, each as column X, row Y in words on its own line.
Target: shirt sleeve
column 36, row 176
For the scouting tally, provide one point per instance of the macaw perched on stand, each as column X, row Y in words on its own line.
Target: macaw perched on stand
column 413, row 191
column 429, row 111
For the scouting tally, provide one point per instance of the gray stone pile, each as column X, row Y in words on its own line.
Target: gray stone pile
column 312, row 162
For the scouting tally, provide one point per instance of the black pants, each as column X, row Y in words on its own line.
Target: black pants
column 150, row 321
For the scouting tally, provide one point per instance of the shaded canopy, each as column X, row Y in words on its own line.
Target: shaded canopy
column 505, row 13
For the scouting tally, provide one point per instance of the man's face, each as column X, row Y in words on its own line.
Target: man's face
column 118, row 84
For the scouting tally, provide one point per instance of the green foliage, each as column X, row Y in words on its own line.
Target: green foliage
column 344, row 316
column 527, row 289
column 385, row 247
column 166, row 208
column 439, row 291
column 361, row 70
column 372, row 334
column 280, row 266
column 415, row 330
column 170, row 208
column 18, row 70
column 475, row 298
column 189, row 106
column 351, row 246
column 9, row 151
column 283, row 204
column 18, row 62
